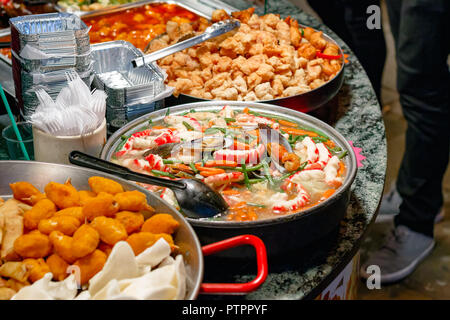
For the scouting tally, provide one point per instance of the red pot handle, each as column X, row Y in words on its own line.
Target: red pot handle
column 261, row 261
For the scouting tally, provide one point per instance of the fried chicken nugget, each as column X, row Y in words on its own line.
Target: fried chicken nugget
column 37, row 268
column 44, row 209
column 142, row 240
column 106, row 248
column 65, row 224
column 58, row 267
column 85, row 241
column 132, row 221
column 76, row 212
column 63, row 195
column 100, row 184
column 33, row 245
column 160, row 223
column 91, row 265
column 132, row 201
column 243, row 15
column 26, row 192
column 104, row 204
column 85, row 196
column 111, row 231
column 62, row 245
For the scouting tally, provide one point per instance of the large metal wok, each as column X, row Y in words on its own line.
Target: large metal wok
column 39, row 174
column 283, row 234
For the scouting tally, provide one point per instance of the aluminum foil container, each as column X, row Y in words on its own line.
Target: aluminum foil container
column 49, row 27
column 80, row 62
column 115, row 74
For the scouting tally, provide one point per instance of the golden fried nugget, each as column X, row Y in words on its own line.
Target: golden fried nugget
column 106, row 248
column 66, row 224
column 100, row 184
column 111, row 231
column 85, row 196
column 102, row 205
column 33, row 245
column 76, row 212
column 58, row 266
column 36, row 268
column 14, row 269
column 44, row 209
column 23, row 191
column 16, row 285
column 62, row 245
column 132, row 201
column 160, row 223
column 63, row 195
column 91, row 265
column 142, row 240
column 132, row 221
column 85, row 241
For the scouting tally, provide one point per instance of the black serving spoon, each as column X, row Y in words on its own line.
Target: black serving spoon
column 196, row 199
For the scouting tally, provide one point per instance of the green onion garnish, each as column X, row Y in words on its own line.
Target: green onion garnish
column 192, row 165
column 188, row 126
column 343, row 154
column 230, row 120
column 256, row 205
column 168, row 111
column 163, row 173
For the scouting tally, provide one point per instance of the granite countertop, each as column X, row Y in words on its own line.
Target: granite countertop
column 359, row 119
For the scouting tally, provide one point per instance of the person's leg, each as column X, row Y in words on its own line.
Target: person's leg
column 369, row 45
column 420, row 29
column 423, row 83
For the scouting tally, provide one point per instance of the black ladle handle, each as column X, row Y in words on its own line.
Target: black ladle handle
column 84, row 160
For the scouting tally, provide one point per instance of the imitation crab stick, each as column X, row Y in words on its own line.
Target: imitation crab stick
column 220, row 163
column 287, row 123
column 299, row 132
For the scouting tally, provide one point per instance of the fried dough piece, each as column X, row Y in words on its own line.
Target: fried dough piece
column 76, row 212
column 36, row 268
column 104, row 204
column 100, row 184
column 111, row 231
column 85, row 196
column 160, row 223
column 142, row 240
column 58, row 267
column 63, row 195
column 132, row 221
column 62, row 245
column 26, row 192
column 66, row 224
column 6, row 293
column 44, row 209
column 14, row 269
column 132, row 201
column 33, row 245
column 11, row 212
column 85, row 241
column 91, row 265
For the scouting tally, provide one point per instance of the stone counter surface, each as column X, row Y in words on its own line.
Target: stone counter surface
column 358, row 119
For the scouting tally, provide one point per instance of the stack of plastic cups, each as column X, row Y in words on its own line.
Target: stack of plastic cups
column 44, row 47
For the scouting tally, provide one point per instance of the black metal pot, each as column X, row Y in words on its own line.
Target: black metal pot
column 281, row 234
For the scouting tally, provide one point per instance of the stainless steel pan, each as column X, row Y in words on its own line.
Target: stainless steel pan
column 40, row 173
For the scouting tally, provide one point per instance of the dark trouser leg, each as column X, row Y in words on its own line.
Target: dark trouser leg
column 348, row 19
column 421, row 30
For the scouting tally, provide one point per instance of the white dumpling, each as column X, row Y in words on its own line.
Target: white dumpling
column 46, row 289
column 121, row 264
column 153, row 255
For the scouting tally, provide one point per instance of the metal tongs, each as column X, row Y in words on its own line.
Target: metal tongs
column 212, row 31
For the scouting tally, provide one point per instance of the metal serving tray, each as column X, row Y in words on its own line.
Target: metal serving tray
column 203, row 8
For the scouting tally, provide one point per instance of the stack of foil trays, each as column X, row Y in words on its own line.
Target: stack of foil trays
column 131, row 92
column 44, row 47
